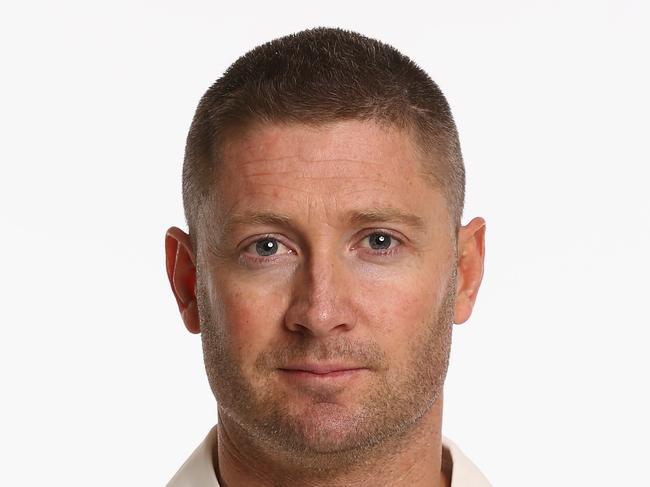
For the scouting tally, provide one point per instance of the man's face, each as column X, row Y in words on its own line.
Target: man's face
column 326, row 285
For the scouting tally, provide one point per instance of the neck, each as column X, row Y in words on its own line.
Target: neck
column 413, row 460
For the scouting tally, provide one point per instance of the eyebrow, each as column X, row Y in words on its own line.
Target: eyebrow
column 386, row 215
column 355, row 217
column 253, row 218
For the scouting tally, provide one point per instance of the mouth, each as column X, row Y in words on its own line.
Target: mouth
column 321, row 373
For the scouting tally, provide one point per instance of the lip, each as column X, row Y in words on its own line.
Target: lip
column 322, row 369
column 321, row 374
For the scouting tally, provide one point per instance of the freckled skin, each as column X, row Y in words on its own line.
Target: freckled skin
column 327, row 295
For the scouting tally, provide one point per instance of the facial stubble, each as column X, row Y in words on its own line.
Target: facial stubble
column 330, row 436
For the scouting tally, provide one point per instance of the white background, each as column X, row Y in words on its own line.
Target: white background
column 100, row 382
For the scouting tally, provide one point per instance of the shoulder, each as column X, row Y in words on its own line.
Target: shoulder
column 198, row 469
column 463, row 471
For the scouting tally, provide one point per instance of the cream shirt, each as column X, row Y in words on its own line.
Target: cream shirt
column 198, row 470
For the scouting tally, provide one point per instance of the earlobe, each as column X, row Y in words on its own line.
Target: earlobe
column 471, row 256
column 181, row 271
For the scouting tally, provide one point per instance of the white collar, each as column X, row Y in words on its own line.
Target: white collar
column 198, row 470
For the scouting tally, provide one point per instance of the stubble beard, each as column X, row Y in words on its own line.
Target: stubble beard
column 330, row 436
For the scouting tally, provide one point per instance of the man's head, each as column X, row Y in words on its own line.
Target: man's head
column 315, row 77
column 321, row 181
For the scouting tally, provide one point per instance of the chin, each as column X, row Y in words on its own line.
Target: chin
column 328, row 427
column 323, row 429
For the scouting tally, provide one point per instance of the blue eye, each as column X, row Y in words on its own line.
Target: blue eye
column 266, row 247
column 380, row 241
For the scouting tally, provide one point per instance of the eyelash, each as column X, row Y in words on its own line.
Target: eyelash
column 259, row 260
column 385, row 252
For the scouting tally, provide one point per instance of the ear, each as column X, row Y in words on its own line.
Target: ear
column 181, row 270
column 471, row 253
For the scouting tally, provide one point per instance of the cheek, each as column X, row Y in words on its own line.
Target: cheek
column 400, row 309
column 251, row 317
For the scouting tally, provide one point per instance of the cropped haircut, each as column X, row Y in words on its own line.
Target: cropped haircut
column 319, row 76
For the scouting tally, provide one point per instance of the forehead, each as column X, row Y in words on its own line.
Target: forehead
column 326, row 169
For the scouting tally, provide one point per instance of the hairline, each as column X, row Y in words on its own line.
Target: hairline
column 426, row 156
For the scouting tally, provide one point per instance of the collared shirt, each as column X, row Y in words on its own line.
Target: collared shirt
column 198, row 470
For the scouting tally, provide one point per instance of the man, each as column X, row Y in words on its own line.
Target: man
column 323, row 186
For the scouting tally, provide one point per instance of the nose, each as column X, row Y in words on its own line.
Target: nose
column 321, row 298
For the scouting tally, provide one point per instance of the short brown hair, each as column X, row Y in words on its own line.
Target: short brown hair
column 318, row 76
